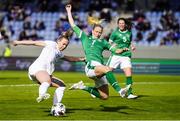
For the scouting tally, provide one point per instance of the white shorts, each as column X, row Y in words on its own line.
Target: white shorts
column 90, row 72
column 89, row 68
column 114, row 61
column 33, row 78
column 100, row 81
column 35, row 67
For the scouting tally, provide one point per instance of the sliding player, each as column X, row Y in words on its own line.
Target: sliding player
column 93, row 47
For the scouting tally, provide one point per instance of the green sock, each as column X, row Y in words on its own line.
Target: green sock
column 129, row 81
column 111, row 79
column 93, row 90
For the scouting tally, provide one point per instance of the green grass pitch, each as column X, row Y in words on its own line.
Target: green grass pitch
column 159, row 98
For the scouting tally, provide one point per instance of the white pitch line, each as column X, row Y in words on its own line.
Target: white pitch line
column 19, row 85
column 136, row 83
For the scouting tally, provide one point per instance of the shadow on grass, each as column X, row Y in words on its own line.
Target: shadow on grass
column 58, row 116
column 119, row 109
column 114, row 109
column 103, row 108
column 139, row 96
column 72, row 110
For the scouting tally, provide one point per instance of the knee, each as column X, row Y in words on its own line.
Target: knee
column 58, row 82
column 107, row 69
column 104, row 97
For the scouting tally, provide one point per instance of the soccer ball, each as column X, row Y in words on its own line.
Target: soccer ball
column 58, row 110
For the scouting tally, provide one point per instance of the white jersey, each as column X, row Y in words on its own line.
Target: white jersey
column 46, row 60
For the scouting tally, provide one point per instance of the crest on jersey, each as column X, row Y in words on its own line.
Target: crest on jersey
column 127, row 35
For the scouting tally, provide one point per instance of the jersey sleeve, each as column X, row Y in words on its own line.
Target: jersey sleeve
column 107, row 45
column 112, row 37
column 50, row 43
column 81, row 35
column 110, row 47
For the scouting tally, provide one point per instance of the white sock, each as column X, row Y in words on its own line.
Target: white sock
column 43, row 88
column 58, row 95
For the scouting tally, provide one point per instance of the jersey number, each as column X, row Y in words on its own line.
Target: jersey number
column 93, row 43
column 124, row 39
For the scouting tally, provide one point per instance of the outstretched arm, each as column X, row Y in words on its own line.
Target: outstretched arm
column 82, row 35
column 73, row 59
column 119, row 51
column 29, row 42
column 113, row 48
column 70, row 18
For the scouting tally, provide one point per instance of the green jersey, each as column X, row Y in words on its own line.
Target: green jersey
column 123, row 40
column 93, row 48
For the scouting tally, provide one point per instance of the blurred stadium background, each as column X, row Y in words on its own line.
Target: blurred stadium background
column 156, row 31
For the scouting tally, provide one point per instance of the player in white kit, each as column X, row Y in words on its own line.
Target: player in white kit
column 42, row 68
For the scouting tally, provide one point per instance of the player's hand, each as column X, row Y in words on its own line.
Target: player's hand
column 125, row 49
column 68, row 7
column 82, row 59
column 118, row 51
column 15, row 43
column 133, row 48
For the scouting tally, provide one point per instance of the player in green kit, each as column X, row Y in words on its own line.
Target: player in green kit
column 121, row 38
column 93, row 47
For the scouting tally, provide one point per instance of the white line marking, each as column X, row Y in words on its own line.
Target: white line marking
column 19, row 85
column 69, row 84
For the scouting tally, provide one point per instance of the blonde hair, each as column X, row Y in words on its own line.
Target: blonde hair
column 94, row 20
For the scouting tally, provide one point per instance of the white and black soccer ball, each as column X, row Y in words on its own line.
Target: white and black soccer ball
column 58, row 109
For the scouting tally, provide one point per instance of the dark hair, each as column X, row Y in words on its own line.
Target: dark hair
column 67, row 34
column 97, row 25
column 128, row 23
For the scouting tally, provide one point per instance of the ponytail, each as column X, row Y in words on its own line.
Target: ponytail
column 67, row 34
column 94, row 20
